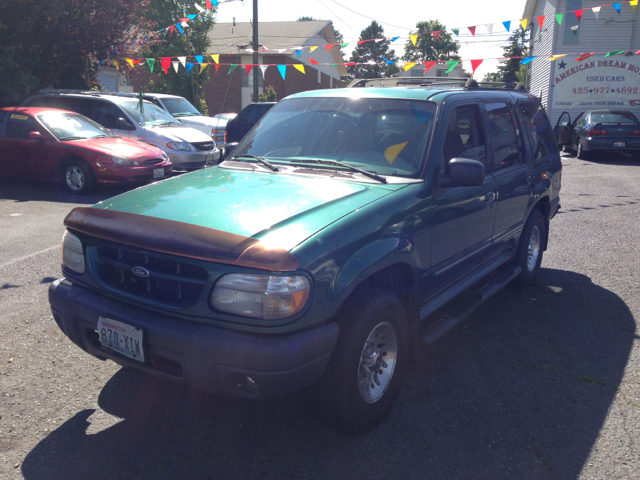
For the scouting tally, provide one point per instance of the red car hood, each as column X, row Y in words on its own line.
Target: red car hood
column 121, row 147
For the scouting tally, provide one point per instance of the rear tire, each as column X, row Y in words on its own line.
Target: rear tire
column 529, row 252
column 365, row 373
column 77, row 177
column 580, row 153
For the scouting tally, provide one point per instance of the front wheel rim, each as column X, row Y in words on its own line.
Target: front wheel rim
column 533, row 252
column 377, row 362
column 75, row 178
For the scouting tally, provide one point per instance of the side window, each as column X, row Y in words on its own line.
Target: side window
column 537, row 124
column 582, row 120
column 106, row 114
column 506, row 150
column 21, row 125
column 465, row 136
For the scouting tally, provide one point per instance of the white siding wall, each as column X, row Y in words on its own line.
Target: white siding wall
column 540, row 68
column 108, row 78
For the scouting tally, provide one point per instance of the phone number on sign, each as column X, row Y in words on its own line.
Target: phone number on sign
column 605, row 90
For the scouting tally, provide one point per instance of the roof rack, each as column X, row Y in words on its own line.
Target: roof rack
column 472, row 84
column 94, row 93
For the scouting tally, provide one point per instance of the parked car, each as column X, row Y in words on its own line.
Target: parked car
column 50, row 144
column 187, row 148
column 599, row 131
column 349, row 229
column 238, row 126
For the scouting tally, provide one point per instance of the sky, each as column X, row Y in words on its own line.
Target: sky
column 398, row 18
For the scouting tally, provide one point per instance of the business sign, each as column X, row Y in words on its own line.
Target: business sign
column 602, row 83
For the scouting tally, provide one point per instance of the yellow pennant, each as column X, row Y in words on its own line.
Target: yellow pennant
column 216, row 58
column 414, row 38
column 115, row 62
column 523, row 22
column 203, row 66
column 634, row 4
column 299, row 67
column 393, row 151
column 407, row 66
column 130, row 62
column 556, row 57
column 311, row 49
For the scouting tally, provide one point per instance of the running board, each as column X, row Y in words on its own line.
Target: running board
column 467, row 304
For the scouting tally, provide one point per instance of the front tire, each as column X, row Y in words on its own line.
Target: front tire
column 365, row 373
column 580, row 153
column 77, row 177
column 529, row 253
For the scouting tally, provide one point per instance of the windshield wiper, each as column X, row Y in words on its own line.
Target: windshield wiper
column 72, row 138
column 372, row 175
column 259, row 159
column 101, row 136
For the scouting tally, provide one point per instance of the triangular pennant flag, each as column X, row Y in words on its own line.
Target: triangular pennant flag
column 182, row 60
column 189, row 67
column 394, row 39
column 584, row 56
column 344, row 45
column 541, row 21
column 215, row 3
column 298, row 51
column 596, row 11
column 388, row 62
column 556, row 57
column 247, row 69
column 436, row 34
column 559, row 18
column 526, row 60
column 216, row 58
column 328, row 47
column 198, row 7
column 175, row 66
column 456, row 31
column 264, row 70
column 350, row 64
column 617, row 7
column 313, row 62
column 283, row 71
column 299, row 67
column 617, row 52
column 579, row 14
column 414, row 38
column 198, row 58
column 452, row 64
column 475, row 64
column 634, row 4
column 130, row 62
column 171, row 28
column 232, row 67
column 524, row 22
column 409, row 65
column 179, row 28
column 490, row 28
column 217, row 67
column 429, row 65
column 185, row 19
column 208, row 3
column 472, row 30
column 311, row 49
column 360, row 42
column 203, row 66
column 507, row 25
column 151, row 62
column 192, row 16
column 392, row 152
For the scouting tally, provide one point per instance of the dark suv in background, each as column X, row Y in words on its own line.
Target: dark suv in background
column 239, row 126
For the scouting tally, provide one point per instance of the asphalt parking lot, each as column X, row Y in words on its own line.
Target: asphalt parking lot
column 542, row 383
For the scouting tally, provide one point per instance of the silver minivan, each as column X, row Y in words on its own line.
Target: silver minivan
column 187, row 148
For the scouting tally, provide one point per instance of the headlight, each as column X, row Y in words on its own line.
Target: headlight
column 121, row 160
column 267, row 297
column 71, row 252
column 179, row 146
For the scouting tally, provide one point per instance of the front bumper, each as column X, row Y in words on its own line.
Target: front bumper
column 193, row 160
column 201, row 356
column 127, row 174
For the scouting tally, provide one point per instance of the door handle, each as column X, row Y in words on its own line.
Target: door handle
column 489, row 197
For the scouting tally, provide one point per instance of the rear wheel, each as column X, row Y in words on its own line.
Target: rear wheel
column 580, row 153
column 529, row 253
column 77, row 177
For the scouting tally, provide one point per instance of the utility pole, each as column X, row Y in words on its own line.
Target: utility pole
column 256, row 46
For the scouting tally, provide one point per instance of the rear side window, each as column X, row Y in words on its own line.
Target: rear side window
column 506, row 151
column 21, row 125
column 464, row 136
column 252, row 114
column 536, row 123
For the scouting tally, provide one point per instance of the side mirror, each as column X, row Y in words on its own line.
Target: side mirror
column 228, row 148
column 463, row 172
column 36, row 136
column 124, row 125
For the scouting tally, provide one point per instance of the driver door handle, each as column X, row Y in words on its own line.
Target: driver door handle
column 489, row 197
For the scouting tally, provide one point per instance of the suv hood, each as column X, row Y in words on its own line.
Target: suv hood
column 280, row 210
column 200, row 120
column 180, row 134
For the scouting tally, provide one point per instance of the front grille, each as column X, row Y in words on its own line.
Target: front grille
column 171, row 281
column 154, row 161
column 323, row 173
column 204, row 146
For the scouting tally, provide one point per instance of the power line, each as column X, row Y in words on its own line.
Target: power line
column 338, row 17
column 353, row 11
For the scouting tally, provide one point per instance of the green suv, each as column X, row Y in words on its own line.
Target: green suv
column 327, row 250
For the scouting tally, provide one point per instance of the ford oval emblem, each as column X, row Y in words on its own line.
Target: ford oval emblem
column 140, row 272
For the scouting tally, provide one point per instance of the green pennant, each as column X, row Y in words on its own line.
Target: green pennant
column 456, row 31
column 344, row 45
column 452, row 64
column 232, row 67
column 559, row 18
column 617, row 52
column 151, row 62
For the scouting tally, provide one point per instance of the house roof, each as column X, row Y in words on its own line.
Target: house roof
column 529, row 8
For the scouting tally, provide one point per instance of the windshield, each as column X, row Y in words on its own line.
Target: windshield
column 72, row 126
column 386, row 136
column 179, row 107
column 153, row 115
column 225, row 116
column 613, row 117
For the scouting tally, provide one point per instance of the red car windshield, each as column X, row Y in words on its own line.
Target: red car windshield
column 72, row 126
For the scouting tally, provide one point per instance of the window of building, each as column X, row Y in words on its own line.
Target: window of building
column 572, row 26
column 247, row 80
column 416, row 73
column 441, row 73
column 506, row 147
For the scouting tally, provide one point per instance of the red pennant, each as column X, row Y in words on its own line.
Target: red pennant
column 217, row 67
column 584, row 56
column 360, row 42
column 328, row 47
column 350, row 64
column 165, row 62
column 248, row 69
column 436, row 34
column 172, row 27
column 472, row 30
column 429, row 65
column 185, row 19
column 209, row 5
column 579, row 14
column 475, row 64
column 541, row 20
column 313, row 62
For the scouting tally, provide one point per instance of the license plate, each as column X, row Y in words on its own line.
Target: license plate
column 619, row 144
column 158, row 172
column 121, row 337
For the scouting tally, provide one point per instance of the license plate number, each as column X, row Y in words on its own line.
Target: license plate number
column 121, row 337
column 619, row 144
column 158, row 172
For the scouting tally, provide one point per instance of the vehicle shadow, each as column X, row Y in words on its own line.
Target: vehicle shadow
column 610, row 158
column 519, row 390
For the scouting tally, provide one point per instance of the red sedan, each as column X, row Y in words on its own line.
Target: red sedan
column 51, row 144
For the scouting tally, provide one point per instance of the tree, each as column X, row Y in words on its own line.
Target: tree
column 428, row 47
column 49, row 42
column 492, row 77
column 375, row 52
column 517, row 47
column 195, row 41
column 522, row 74
column 269, row 95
